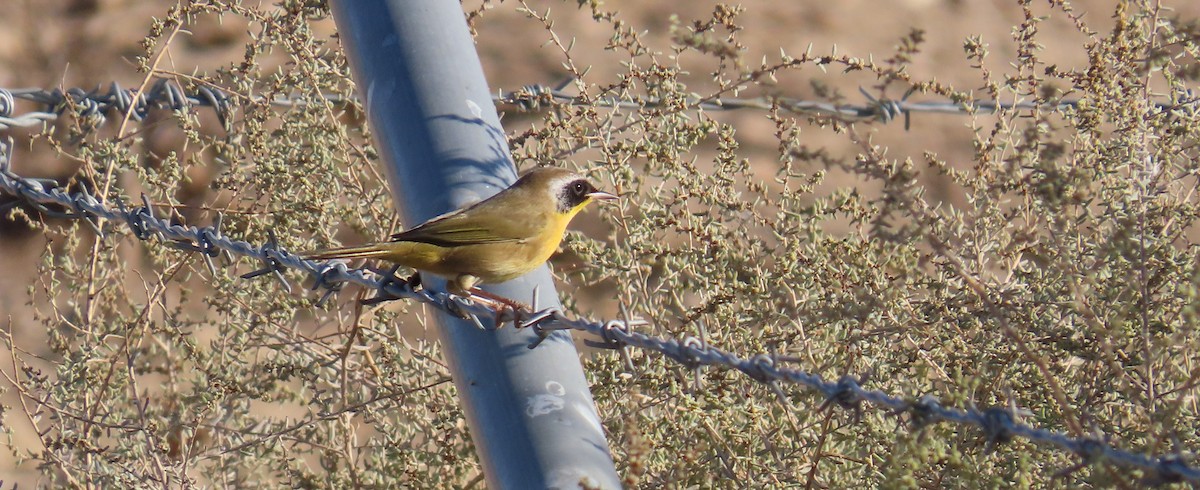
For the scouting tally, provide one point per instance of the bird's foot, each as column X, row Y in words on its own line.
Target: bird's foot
column 413, row 281
column 495, row 299
column 506, row 309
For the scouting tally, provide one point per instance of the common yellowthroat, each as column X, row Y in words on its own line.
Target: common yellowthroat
column 494, row 240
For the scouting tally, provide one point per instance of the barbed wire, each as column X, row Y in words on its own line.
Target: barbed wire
column 95, row 104
column 166, row 93
column 999, row 424
column 881, row 109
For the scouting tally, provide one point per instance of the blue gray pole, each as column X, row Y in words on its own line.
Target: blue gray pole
column 530, row 413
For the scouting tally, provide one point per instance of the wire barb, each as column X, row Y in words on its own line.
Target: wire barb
column 543, row 325
column 845, row 394
column 997, row 424
column 272, row 259
column 921, row 413
column 1090, row 452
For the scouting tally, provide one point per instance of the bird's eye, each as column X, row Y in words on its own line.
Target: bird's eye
column 579, row 188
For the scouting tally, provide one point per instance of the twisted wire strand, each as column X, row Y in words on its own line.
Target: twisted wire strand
column 999, row 424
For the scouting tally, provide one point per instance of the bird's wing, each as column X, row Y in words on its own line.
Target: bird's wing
column 456, row 229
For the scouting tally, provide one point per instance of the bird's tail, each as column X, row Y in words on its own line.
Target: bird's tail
column 372, row 251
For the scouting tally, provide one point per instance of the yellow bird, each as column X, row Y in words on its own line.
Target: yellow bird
column 497, row 239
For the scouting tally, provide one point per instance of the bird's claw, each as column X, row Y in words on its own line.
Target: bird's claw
column 507, row 310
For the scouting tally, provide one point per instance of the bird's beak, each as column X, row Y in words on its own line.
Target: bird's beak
column 601, row 196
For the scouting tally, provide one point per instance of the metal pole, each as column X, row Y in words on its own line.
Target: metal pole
column 530, row 412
